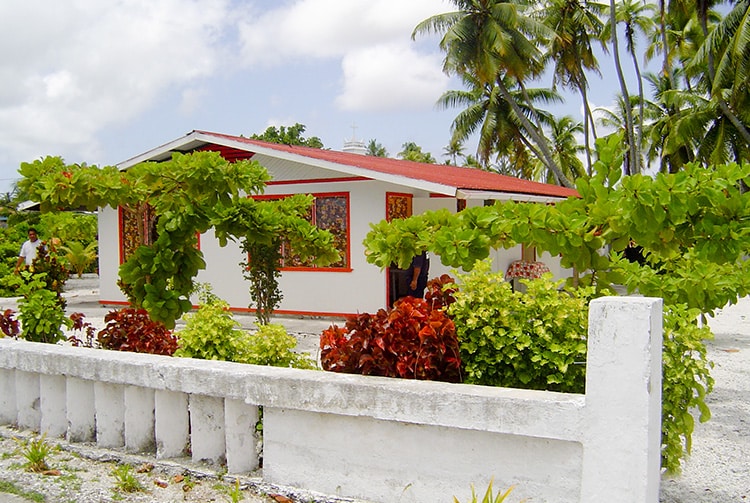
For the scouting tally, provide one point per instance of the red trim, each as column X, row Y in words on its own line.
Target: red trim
column 440, row 196
column 251, row 311
column 321, row 180
column 114, row 302
column 297, row 313
column 119, row 235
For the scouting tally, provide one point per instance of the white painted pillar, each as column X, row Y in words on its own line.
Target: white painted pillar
column 139, row 419
column 207, row 438
column 241, row 438
column 80, row 410
column 27, row 400
column 52, row 405
column 172, row 424
column 8, row 408
column 110, row 414
column 621, row 459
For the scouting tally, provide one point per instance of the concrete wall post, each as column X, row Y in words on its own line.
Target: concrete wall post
column 110, row 414
column 241, row 438
column 52, row 405
column 8, row 408
column 207, row 432
column 172, row 424
column 27, row 400
column 80, row 410
column 139, row 419
column 621, row 461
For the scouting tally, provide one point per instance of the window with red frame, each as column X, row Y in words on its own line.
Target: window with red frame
column 330, row 211
column 138, row 227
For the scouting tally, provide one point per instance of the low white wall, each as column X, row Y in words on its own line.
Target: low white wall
column 376, row 439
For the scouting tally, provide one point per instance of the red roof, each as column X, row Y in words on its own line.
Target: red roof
column 453, row 176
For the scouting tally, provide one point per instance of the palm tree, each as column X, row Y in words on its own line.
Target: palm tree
column 413, row 152
column 376, row 149
column 575, row 25
column 453, row 151
column 637, row 16
column 631, row 167
column 672, row 149
column 729, row 41
column 484, row 111
column 79, row 256
column 492, row 41
column 566, row 147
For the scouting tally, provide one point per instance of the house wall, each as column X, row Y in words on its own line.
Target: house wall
column 373, row 438
column 313, row 292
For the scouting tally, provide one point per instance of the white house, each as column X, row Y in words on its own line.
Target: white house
column 351, row 191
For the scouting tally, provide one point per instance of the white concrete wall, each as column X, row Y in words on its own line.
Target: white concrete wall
column 372, row 438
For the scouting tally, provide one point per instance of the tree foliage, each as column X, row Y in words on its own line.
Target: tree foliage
column 188, row 194
column 502, row 48
column 291, row 135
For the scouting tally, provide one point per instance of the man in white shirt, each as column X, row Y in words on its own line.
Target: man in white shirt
column 28, row 249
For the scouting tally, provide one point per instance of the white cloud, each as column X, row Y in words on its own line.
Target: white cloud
column 390, row 77
column 81, row 65
column 330, row 28
column 382, row 70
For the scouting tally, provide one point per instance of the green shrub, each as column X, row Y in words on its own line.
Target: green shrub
column 41, row 313
column 78, row 256
column 212, row 333
column 533, row 340
column 686, row 381
column 271, row 345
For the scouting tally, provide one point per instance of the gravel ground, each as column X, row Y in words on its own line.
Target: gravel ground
column 717, row 471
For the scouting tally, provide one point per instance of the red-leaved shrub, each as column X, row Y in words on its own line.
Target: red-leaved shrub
column 410, row 341
column 9, row 324
column 133, row 330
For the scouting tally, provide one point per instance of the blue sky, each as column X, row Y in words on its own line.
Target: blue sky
column 100, row 82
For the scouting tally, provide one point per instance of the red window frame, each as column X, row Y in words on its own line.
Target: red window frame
column 345, row 250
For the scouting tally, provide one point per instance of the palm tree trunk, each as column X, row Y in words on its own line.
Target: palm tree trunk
column 666, row 65
column 588, row 120
column 632, row 148
column 639, row 134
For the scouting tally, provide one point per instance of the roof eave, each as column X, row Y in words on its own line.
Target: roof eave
column 507, row 196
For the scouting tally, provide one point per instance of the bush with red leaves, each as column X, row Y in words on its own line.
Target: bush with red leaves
column 410, row 341
column 9, row 324
column 132, row 330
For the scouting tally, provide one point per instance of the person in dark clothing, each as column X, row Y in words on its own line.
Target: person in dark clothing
column 417, row 275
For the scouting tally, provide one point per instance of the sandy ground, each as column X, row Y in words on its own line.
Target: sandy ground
column 717, row 471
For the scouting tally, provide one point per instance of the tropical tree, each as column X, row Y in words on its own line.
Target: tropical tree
column 453, row 151
column 79, row 256
column 501, row 133
column 492, row 41
column 576, row 24
column 376, row 149
column 413, row 152
column 291, row 135
column 637, row 17
column 728, row 42
column 567, row 150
